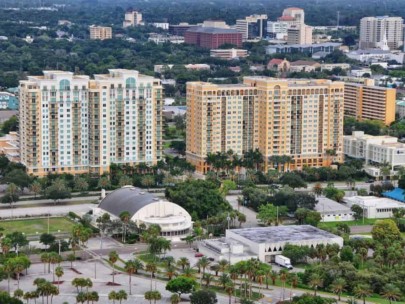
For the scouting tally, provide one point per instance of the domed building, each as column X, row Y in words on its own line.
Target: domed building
column 146, row 208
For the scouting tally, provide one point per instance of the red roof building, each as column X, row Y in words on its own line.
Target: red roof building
column 212, row 38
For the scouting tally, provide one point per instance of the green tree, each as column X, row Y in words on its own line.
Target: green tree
column 358, row 211
column 269, row 214
column 47, row 239
column 175, row 299
column 59, row 273
column 313, row 218
column 181, row 285
column 36, row 188
column 10, row 125
column 18, row 177
column 293, row 180
column 148, row 181
column 104, row 183
column 58, row 191
column 203, row 296
column 386, row 231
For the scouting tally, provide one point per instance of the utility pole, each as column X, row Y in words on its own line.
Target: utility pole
column 338, row 19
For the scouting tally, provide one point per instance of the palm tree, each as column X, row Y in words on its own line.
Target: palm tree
column 338, row 286
column 229, row 288
column 113, row 258
column 122, row 295
column 315, row 282
column 362, row 291
column 59, row 273
column 183, row 262
column 175, row 299
column 273, row 276
column 203, row 263
column 130, row 269
column 36, row 188
column 125, row 216
column 188, row 272
column 18, row 293
column 170, row 271
column 223, row 265
column 207, row 277
column 385, row 171
column 152, row 268
column 223, row 280
column 112, row 296
column 391, row 293
column 54, row 259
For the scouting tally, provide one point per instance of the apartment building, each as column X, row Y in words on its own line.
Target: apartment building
column 100, row 32
column 76, row 125
column 374, row 30
column 367, row 101
column 299, row 118
column 375, row 149
column 252, row 27
column 132, row 18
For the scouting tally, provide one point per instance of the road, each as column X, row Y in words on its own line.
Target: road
column 251, row 220
column 45, row 210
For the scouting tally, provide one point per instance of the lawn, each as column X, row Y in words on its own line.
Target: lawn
column 40, row 225
column 350, row 223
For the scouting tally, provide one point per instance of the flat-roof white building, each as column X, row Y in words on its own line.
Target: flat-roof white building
column 374, row 207
column 267, row 242
column 332, row 211
column 375, row 149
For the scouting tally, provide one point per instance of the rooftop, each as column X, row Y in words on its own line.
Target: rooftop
column 282, row 234
column 304, row 62
column 212, row 30
column 129, row 199
column 373, row 201
column 326, row 44
column 326, row 205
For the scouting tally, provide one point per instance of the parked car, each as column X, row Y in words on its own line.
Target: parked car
column 198, row 255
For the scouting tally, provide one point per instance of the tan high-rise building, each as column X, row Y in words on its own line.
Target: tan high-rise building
column 100, row 32
column 132, row 18
column 294, row 16
column 76, row 125
column 375, row 30
column 299, row 34
column 299, row 118
column 367, row 101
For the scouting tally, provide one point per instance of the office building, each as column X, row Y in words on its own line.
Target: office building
column 100, row 32
column 277, row 30
column 10, row 146
column 299, row 34
column 377, row 150
column 267, row 242
column 374, row 207
column 252, row 27
column 180, row 29
column 306, row 48
column 76, row 125
column 332, row 211
column 211, row 37
column 374, row 30
column 132, row 18
column 215, row 23
column 367, row 101
column 299, row 118
column 228, row 54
